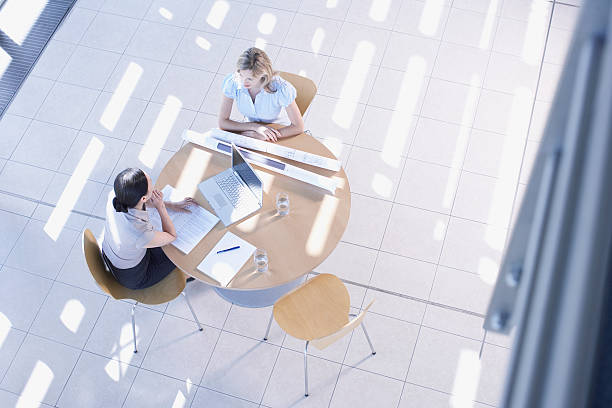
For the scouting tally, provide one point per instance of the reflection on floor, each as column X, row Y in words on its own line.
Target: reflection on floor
column 436, row 109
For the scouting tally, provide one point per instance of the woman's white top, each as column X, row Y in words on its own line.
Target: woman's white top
column 125, row 235
column 267, row 106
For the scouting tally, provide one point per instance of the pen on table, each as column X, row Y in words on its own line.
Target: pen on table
column 228, row 249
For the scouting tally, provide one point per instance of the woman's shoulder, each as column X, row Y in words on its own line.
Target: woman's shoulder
column 283, row 90
column 230, row 84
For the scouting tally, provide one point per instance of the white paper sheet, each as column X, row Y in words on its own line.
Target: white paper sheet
column 190, row 227
column 263, row 161
column 277, row 150
column 224, row 266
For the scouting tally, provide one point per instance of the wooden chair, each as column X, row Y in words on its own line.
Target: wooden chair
column 164, row 291
column 318, row 311
column 306, row 89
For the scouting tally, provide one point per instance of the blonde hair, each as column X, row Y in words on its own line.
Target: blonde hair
column 258, row 62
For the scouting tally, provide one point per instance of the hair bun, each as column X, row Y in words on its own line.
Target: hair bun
column 118, row 206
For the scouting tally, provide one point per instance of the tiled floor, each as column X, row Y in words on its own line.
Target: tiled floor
column 436, row 109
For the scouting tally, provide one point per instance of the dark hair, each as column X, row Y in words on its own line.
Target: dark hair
column 130, row 186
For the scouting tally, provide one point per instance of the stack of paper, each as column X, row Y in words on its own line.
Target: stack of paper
column 190, row 227
column 224, row 266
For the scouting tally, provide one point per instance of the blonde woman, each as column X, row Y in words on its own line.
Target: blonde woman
column 260, row 95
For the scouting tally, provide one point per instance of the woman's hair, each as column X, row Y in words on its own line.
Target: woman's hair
column 130, row 186
column 259, row 63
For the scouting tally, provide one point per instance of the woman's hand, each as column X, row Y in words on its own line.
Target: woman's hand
column 156, row 200
column 182, row 206
column 266, row 133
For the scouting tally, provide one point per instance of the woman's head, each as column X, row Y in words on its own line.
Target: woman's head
column 132, row 187
column 255, row 69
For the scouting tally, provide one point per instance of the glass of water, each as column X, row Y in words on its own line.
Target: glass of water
column 260, row 257
column 282, row 203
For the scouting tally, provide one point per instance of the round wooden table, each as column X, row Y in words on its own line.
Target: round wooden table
column 296, row 243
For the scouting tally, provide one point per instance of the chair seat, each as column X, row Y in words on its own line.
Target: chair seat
column 314, row 310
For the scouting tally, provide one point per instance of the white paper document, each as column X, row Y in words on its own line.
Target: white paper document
column 190, row 227
column 266, row 162
column 224, row 266
column 277, row 150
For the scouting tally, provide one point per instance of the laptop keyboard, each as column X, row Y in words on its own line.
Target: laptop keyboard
column 232, row 189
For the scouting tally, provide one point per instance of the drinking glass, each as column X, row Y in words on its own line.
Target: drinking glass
column 282, row 203
column 260, row 257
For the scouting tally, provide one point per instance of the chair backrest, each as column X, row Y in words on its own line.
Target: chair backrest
column 326, row 341
column 305, row 87
column 166, row 290
column 315, row 309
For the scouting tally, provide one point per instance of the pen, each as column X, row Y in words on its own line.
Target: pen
column 229, row 249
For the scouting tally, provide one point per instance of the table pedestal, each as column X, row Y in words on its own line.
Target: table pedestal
column 258, row 297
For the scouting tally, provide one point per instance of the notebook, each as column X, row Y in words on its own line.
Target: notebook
column 190, row 227
column 224, row 266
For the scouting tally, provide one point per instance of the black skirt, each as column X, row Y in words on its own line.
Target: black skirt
column 154, row 267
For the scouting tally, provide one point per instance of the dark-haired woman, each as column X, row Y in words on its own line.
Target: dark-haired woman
column 131, row 247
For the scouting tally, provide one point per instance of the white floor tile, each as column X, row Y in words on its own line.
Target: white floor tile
column 14, row 174
column 522, row 9
column 415, row 396
column 451, row 102
column 155, row 41
column 494, row 155
column 470, row 28
column 51, row 63
column 499, row 339
column 522, row 39
column 183, row 87
column 74, row 221
column 373, row 173
column 286, row 387
column 16, row 205
column 351, row 81
column 440, row 358
column 387, row 131
column 221, row 18
column 267, row 24
column 114, row 117
column 151, row 389
column 290, row 5
column 539, row 119
column 68, row 315
column 428, row 186
column 400, row 91
column 21, row 295
column 75, row 271
column 107, row 383
column 190, row 349
column 381, row 15
column 12, row 340
column 202, row 50
column 350, row 262
column 12, row 128
column 507, row 73
column 565, row 17
column 454, row 322
column 354, row 390
column 30, row 97
column 395, row 306
column 504, row 113
column 110, row 32
column 211, row 309
column 415, row 233
column 67, row 105
column 133, row 8
column 353, row 36
column 393, row 341
column 531, row 152
column 112, row 335
column 336, row 10
column 162, row 125
column 307, row 64
column 557, row 46
column 494, row 362
column 367, row 221
column 206, row 398
column 332, row 118
column 316, row 35
column 75, row 25
column 135, row 77
column 51, row 254
column 462, row 64
column 103, row 167
column 240, row 366
column 152, row 159
column 403, row 275
column 89, row 67
column 253, row 322
column 548, row 81
column 172, row 12
column 44, row 145
column 474, row 247
column 40, row 369
column 439, row 142
column 407, row 51
column 422, row 19
column 463, row 290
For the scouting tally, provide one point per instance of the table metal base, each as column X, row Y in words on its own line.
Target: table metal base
column 257, row 297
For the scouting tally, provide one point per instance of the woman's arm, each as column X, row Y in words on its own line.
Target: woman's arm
column 251, row 129
column 297, row 122
column 168, row 234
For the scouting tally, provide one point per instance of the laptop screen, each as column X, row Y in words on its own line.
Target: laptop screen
column 247, row 174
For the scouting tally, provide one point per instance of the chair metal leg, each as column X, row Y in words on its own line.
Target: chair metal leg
column 134, row 326
column 192, row 312
column 306, row 369
column 269, row 325
column 368, row 337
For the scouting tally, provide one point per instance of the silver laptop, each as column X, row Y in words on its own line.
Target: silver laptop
column 234, row 193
